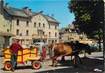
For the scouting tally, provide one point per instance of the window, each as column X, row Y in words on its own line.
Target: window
column 7, row 30
column 49, row 26
column 17, row 22
column 27, row 32
column 43, row 33
column 52, row 41
column 39, row 24
column 43, row 25
column 55, row 27
column 49, row 41
column 27, row 23
column 55, row 34
column 35, row 24
column 17, row 32
column 49, row 34
column 20, row 34
column 55, row 41
column 3, row 25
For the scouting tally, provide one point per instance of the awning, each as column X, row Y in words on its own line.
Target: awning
column 6, row 34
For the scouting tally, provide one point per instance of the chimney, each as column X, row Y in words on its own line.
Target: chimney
column 1, row 6
column 6, row 4
column 25, row 8
column 27, row 11
column 52, row 15
column 30, row 10
column 41, row 12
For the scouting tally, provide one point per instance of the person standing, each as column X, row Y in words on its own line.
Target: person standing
column 43, row 53
column 14, row 50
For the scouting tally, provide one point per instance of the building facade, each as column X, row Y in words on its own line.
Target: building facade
column 30, row 27
column 45, row 28
column 70, row 34
column 5, row 30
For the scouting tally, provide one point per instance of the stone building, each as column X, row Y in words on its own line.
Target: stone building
column 46, row 28
column 5, row 30
column 70, row 34
column 31, row 27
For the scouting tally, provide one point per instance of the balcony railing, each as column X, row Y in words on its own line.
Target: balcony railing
column 36, row 36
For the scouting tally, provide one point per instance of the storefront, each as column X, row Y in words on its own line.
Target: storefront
column 5, row 39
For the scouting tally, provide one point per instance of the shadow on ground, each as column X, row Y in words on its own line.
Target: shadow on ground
column 23, row 67
column 88, row 65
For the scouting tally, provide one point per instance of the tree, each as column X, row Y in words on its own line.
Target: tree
column 89, row 16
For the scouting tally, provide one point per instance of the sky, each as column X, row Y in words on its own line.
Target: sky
column 58, row 8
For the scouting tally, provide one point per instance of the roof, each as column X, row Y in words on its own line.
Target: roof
column 15, row 12
column 48, row 18
column 20, row 12
column 51, row 19
column 71, row 26
column 62, row 30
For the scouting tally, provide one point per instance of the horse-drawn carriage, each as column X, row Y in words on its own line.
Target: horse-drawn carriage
column 32, row 54
column 25, row 55
column 69, row 49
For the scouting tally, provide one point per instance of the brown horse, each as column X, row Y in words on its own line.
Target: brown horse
column 66, row 49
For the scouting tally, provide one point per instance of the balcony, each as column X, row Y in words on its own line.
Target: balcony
column 37, row 36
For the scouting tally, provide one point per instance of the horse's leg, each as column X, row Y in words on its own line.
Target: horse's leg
column 54, row 61
column 80, row 61
column 63, row 58
column 77, row 60
column 74, row 60
column 71, row 57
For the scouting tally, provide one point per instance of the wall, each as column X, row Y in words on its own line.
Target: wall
column 33, row 30
column 42, row 20
column 25, row 39
column 4, row 25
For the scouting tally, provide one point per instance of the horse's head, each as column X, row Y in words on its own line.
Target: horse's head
column 52, row 46
column 88, row 49
column 82, row 46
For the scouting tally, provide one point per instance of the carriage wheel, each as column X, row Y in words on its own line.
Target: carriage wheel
column 7, row 66
column 36, row 65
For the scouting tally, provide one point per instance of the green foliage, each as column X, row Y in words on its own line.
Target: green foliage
column 88, row 15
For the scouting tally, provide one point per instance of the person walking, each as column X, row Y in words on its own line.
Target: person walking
column 14, row 50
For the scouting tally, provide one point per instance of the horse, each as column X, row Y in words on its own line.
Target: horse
column 68, row 49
